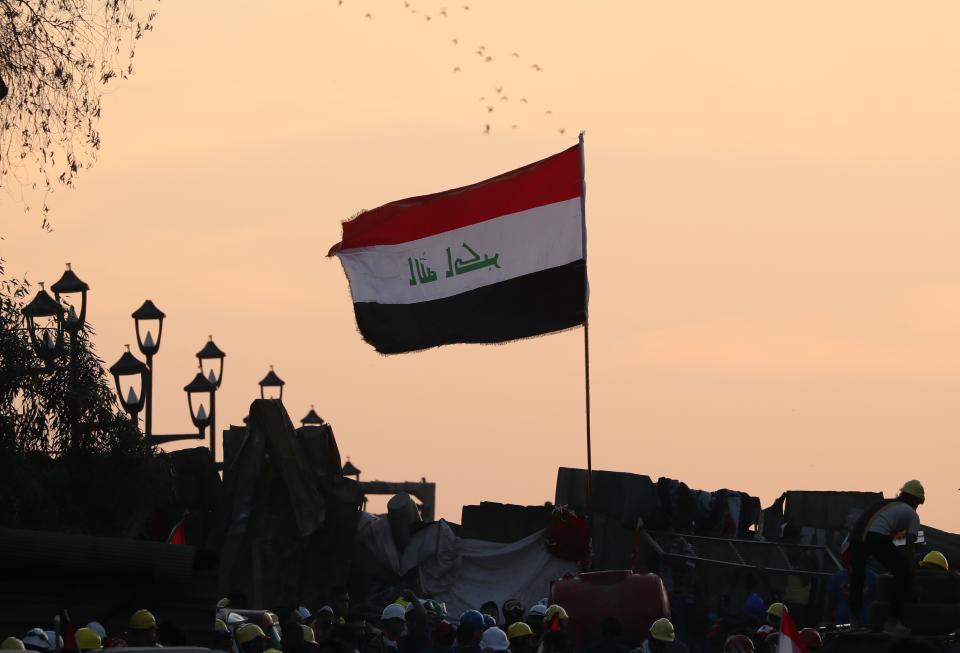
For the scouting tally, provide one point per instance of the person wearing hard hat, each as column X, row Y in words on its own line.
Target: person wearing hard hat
column 36, row 639
column 251, row 638
column 873, row 537
column 87, row 639
column 222, row 639
column 555, row 618
column 775, row 614
column 470, row 632
column 534, row 619
column 663, row 639
column 142, row 630
column 739, row 644
column 934, row 561
column 12, row 644
column 512, row 612
column 811, row 638
column 393, row 620
column 494, row 640
column 521, row 637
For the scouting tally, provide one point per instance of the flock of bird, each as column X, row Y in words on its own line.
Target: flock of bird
column 491, row 102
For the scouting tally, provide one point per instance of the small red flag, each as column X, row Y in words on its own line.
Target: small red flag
column 179, row 533
column 66, row 632
column 790, row 641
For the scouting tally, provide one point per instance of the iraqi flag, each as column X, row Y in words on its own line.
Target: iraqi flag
column 498, row 260
column 790, row 641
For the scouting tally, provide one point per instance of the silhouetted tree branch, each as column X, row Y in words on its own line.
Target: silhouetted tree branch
column 56, row 56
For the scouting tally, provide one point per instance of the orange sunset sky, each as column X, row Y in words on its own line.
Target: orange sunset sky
column 772, row 213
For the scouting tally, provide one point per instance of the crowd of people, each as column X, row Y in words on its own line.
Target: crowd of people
column 410, row 624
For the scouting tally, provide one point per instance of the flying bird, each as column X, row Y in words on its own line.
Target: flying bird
column 514, row 126
column 524, row 100
column 456, row 42
column 368, row 15
column 562, row 131
column 488, row 59
column 406, row 5
column 457, row 69
column 482, row 98
column 498, row 89
column 486, row 130
column 466, row 7
column 443, row 12
column 428, row 17
column 515, row 54
column 504, row 99
column 548, row 112
column 537, row 68
column 489, row 109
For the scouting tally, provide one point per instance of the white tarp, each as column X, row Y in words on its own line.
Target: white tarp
column 466, row 573
column 489, row 571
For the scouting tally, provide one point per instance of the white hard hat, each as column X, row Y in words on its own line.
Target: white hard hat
column 393, row 611
column 537, row 610
column 98, row 628
column 494, row 638
column 37, row 638
column 303, row 612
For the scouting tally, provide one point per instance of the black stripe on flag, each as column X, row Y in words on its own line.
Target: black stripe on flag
column 531, row 305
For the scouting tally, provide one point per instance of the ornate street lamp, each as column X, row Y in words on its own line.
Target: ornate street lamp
column 275, row 385
column 349, row 469
column 44, row 317
column 70, row 284
column 128, row 367
column 145, row 317
column 311, row 418
column 209, row 357
column 202, row 391
column 148, row 315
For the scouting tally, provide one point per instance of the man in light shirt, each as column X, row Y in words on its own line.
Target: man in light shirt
column 873, row 536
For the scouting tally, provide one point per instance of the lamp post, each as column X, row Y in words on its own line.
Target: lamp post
column 70, row 284
column 274, row 383
column 131, row 366
column 144, row 317
column 209, row 357
column 311, row 418
column 349, row 469
column 44, row 317
column 203, row 390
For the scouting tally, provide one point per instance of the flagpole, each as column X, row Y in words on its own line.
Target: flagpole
column 586, row 330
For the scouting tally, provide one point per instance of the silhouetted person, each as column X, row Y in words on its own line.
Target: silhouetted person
column 611, row 631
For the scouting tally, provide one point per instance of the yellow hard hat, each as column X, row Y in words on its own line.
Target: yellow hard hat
column 308, row 635
column 220, row 626
column 555, row 610
column 776, row 610
column 936, row 559
column 142, row 620
column 519, row 629
column 914, row 488
column 662, row 630
column 249, row 632
column 87, row 639
column 12, row 644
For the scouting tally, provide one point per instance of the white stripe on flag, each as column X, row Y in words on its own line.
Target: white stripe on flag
column 441, row 265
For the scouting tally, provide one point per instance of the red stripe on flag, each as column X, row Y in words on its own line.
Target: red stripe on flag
column 790, row 641
column 554, row 179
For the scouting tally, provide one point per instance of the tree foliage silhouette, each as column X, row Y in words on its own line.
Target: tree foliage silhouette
column 56, row 58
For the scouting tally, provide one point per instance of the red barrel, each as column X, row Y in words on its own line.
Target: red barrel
column 637, row 600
